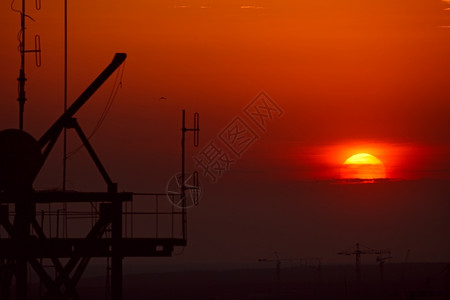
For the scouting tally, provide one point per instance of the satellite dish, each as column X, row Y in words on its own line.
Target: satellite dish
column 20, row 159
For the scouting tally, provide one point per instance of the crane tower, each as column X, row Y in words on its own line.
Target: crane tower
column 357, row 251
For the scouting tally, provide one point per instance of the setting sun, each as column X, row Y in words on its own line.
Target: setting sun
column 363, row 166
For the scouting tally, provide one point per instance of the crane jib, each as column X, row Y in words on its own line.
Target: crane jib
column 57, row 127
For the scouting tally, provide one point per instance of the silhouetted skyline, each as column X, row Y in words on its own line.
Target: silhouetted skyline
column 347, row 77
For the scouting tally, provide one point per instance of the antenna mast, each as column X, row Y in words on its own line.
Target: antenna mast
column 37, row 50
column 22, row 98
column 65, row 100
column 183, row 187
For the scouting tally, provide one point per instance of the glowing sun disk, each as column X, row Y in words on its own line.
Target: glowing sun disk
column 363, row 158
column 363, row 166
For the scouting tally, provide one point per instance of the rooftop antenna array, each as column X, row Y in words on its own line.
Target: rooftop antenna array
column 28, row 240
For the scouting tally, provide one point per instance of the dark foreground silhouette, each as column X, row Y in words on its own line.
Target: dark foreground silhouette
column 399, row 281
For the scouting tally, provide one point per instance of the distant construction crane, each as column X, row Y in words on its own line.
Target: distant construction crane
column 357, row 251
column 381, row 260
column 278, row 261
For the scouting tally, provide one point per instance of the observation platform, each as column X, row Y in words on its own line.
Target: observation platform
column 72, row 247
column 70, row 196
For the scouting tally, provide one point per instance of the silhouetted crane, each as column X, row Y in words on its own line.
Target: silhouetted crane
column 278, row 261
column 357, row 251
column 381, row 260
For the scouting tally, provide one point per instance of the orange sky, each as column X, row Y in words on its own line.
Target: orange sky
column 351, row 76
column 344, row 72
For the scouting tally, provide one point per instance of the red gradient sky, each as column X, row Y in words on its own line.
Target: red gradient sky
column 346, row 73
column 351, row 76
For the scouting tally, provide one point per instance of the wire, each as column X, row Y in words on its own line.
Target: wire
column 19, row 33
column 112, row 96
column 118, row 83
column 20, row 12
column 14, row 9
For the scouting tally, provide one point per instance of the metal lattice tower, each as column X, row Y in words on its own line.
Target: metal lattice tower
column 27, row 242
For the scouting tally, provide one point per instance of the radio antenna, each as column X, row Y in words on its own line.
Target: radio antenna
column 37, row 50
column 195, row 186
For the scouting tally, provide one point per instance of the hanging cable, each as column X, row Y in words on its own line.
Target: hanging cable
column 14, row 9
column 114, row 91
column 20, row 12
